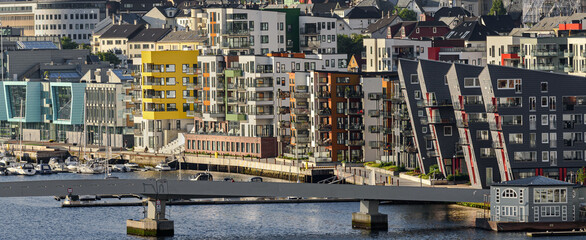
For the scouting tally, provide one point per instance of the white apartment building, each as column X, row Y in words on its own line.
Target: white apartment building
column 246, row 31
column 317, row 35
column 383, row 54
column 496, row 46
column 576, row 54
column 68, row 18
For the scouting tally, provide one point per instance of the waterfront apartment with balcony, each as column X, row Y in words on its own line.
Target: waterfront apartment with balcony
column 166, row 99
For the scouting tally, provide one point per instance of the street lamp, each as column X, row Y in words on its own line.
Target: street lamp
column 454, row 169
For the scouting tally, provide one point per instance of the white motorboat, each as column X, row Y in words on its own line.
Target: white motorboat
column 162, row 166
column 131, row 166
column 72, row 164
column 91, row 168
column 10, row 165
column 202, row 176
column 27, row 169
column 57, row 165
column 43, row 168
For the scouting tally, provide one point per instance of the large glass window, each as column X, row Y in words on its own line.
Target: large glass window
column 16, row 96
column 62, row 95
column 550, row 195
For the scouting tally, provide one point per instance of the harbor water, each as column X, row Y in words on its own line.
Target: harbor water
column 43, row 218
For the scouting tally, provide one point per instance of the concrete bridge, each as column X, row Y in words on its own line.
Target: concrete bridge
column 158, row 191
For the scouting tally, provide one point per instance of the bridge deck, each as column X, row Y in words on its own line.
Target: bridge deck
column 164, row 189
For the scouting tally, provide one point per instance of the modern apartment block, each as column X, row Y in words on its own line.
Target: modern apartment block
column 318, row 35
column 241, row 98
column 383, row 54
column 495, row 112
column 166, row 99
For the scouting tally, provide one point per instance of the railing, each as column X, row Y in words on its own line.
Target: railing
column 324, row 94
column 353, row 94
column 490, row 108
column 354, row 142
column 300, row 95
column 495, row 126
column 309, row 31
column 463, row 141
column 353, row 111
column 189, row 99
column 325, row 127
column 255, row 98
column 439, row 120
column 232, row 32
column 325, row 111
column 354, row 126
column 375, row 144
column 235, row 45
column 301, row 111
column 497, row 144
column 374, row 129
column 387, row 114
column 387, row 130
column 374, row 113
column 432, row 153
column 434, row 103
column 300, row 125
column 326, row 142
column 375, row 96
column 461, row 123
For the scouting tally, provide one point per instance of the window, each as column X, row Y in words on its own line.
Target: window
column 509, row 193
column 515, row 138
column 264, row 26
column 532, row 103
column 543, row 101
column 544, row 119
column 508, row 211
column 545, row 156
column 543, row 86
column 552, row 103
column 471, row 83
column 482, row 135
column 509, row 84
column 447, row 130
column 170, row 94
column 417, row 94
column 171, row 107
column 264, row 39
column 414, row 79
column 550, row 195
column 544, row 138
column 170, row 68
column 170, row 81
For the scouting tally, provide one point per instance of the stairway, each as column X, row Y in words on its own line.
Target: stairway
column 176, row 146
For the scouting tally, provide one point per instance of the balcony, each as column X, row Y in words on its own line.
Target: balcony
column 232, row 100
column 284, row 110
column 233, row 116
column 432, row 153
column 387, row 114
column 190, row 99
column 461, row 123
column 353, row 94
column 194, row 114
column 375, row 144
column 353, row 111
column 497, row 144
column 325, row 142
column 301, row 111
column 241, row 87
column 463, row 141
column 374, row 129
column 242, row 45
column 495, row 126
column 568, row 68
column 284, row 124
column 387, row 130
column 189, row 70
column 153, row 82
column 300, row 125
column 300, row 95
column 354, row 127
column 439, row 120
column 324, row 112
column 310, row 44
column 235, row 32
column 375, row 96
column 324, row 94
column 325, row 127
column 354, row 143
column 192, row 86
column 568, row 53
column 374, row 113
column 434, row 103
column 545, row 53
column 309, row 31
column 490, row 108
column 301, row 139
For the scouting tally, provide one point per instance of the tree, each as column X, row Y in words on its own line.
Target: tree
column 497, row 8
column 109, row 57
column 406, row 14
column 67, row 43
column 350, row 45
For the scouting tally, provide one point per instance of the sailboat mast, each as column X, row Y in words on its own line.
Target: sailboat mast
column 20, row 129
column 84, row 121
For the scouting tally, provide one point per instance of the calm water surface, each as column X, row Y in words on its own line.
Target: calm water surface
column 43, row 218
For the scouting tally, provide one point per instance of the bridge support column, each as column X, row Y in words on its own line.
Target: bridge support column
column 369, row 218
column 154, row 224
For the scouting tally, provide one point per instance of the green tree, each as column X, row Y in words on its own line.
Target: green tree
column 581, row 175
column 406, row 14
column 85, row 46
column 109, row 57
column 350, row 45
column 497, row 8
column 67, row 43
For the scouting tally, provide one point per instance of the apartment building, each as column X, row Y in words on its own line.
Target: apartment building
column 239, row 97
column 544, row 53
column 383, row 54
column 73, row 19
column 165, row 76
column 503, row 50
column 145, row 40
column 317, row 35
column 18, row 15
column 115, row 40
column 246, row 31
column 495, row 112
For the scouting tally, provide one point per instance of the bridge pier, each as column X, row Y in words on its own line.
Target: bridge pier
column 369, row 218
column 154, row 224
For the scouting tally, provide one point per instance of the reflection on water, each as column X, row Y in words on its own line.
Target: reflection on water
column 42, row 218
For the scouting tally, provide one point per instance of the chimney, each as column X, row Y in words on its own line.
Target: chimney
column 147, row 26
column 120, row 20
column 113, row 20
column 187, row 28
column 164, row 26
column 135, row 22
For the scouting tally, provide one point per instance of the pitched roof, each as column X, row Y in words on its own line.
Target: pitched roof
column 500, row 24
column 381, row 23
column 122, row 31
column 150, row 35
column 451, row 12
column 183, row 36
column 534, row 181
column 363, row 12
column 470, row 31
column 549, row 23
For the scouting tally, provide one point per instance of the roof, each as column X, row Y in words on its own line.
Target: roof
column 381, row 23
column 120, row 74
column 122, row 31
column 170, row 14
column 500, row 24
column 36, row 45
column 150, row 35
column 534, row 181
column 183, row 36
column 549, row 23
column 451, row 12
column 363, row 12
column 470, row 31
column 56, row 75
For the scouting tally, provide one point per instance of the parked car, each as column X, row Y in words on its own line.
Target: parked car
column 256, row 179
